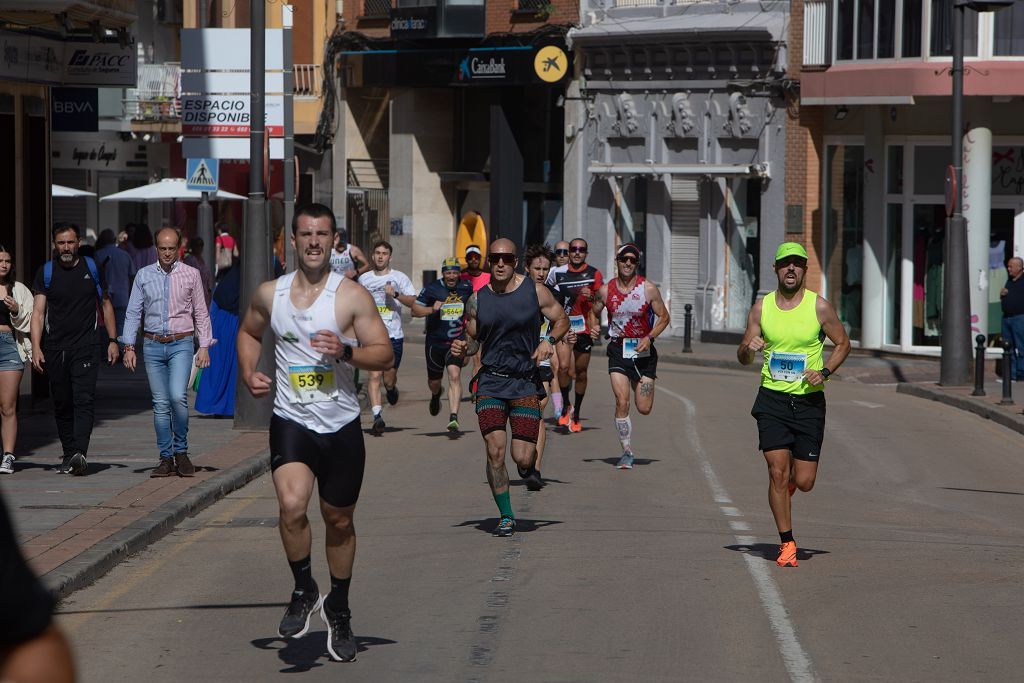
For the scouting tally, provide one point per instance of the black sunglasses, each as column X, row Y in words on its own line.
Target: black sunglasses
column 496, row 258
column 628, row 259
column 561, row 252
column 578, row 250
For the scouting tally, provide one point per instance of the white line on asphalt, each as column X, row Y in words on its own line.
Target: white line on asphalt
column 731, row 512
column 739, row 526
column 869, row 404
column 798, row 664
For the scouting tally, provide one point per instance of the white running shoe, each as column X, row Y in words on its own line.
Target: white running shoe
column 7, row 464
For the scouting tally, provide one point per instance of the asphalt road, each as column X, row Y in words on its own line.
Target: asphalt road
column 911, row 556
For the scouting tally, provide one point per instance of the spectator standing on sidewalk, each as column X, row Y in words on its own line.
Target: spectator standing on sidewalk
column 194, row 257
column 71, row 304
column 143, row 252
column 118, row 270
column 15, row 349
column 168, row 298
column 1012, row 299
column 216, row 395
column 226, row 250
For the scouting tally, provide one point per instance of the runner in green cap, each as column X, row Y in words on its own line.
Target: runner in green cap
column 790, row 325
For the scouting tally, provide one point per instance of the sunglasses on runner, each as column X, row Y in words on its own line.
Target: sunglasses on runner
column 628, row 259
column 496, row 258
column 561, row 252
column 578, row 250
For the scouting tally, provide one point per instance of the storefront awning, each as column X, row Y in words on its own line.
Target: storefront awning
column 717, row 170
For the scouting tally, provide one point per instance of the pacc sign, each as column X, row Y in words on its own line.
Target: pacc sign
column 74, row 110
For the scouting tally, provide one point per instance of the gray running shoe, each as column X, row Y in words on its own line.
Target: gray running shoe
column 7, row 464
column 77, row 465
column 506, row 527
column 378, row 424
column 295, row 621
column 341, row 643
column 625, row 462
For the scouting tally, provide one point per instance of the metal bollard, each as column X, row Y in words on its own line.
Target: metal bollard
column 688, row 328
column 1007, row 374
column 979, row 366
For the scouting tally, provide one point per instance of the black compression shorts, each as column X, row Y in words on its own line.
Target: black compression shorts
column 336, row 460
column 793, row 422
column 438, row 358
column 633, row 368
column 584, row 343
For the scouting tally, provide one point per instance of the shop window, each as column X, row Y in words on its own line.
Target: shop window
column 844, row 233
column 1010, row 32
column 929, row 244
column 893, row 271
column 867, row 29
column 930, row 163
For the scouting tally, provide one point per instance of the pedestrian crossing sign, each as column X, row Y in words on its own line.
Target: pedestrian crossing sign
column 201, row 174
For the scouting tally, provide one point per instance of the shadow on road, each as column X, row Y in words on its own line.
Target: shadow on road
column 304, row 653
column 240, row 605
column 769, row 551
column 615, row 461
column 451, row 435
column 522, row 525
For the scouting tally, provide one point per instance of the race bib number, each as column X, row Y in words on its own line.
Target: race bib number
column 452, row 312
column 787, row 367
column 629, row 349
column 312, row 383
column 385, row 311
column 577, row 324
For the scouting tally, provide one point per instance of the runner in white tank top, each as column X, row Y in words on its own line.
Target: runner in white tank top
column 323, row 327
column 349, row 262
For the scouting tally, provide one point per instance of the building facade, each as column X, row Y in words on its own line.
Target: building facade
column 872, row 150
column 675, row 136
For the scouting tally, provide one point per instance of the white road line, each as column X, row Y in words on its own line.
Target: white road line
column 869, row 404
column 798, row 664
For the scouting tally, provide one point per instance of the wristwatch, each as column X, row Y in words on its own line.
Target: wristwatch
column 346, row 353
column 550, row 340
column 825, row 372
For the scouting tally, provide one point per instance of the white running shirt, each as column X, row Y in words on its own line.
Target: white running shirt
column 390, row 308
column 312, row 389
column 342, row 261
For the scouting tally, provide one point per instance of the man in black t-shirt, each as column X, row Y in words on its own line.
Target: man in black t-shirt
column 31, row 647
column 1012, row 299
column 71, row 303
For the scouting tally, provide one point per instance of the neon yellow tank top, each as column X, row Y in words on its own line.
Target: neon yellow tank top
column 792, row 343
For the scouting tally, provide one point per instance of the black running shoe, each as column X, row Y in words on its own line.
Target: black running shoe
column 74, row 464
column 435, row 403
column 524, row 472
column 392, row 394
column 506, row 527
column 65, row 464
column 378, row 424
column 533, row 481
column 341, row 644
column 295, row 621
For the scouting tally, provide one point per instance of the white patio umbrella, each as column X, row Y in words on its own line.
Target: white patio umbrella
column 62, row 191
column 166, row 190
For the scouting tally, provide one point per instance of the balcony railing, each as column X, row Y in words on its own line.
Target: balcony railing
column 817, row 33
column 157, row 97
column 308, row 80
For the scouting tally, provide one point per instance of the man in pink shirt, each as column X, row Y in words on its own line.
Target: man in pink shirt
column 168, row 300
column 478, row 278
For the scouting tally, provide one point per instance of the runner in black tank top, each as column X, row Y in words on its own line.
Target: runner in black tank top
column 504, row 317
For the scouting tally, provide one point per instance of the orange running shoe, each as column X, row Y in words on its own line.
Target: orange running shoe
column 575, row 426
column 564, row 418
column 787, row 554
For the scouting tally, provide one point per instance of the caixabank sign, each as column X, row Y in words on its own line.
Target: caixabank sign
column 547, row 64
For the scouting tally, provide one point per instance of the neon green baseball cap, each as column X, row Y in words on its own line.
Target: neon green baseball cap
column 790, row 249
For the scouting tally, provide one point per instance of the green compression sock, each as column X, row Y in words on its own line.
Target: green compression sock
column 504, row 504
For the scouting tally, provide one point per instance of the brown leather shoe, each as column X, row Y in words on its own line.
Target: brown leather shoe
column 164, row 469
column 184, row 465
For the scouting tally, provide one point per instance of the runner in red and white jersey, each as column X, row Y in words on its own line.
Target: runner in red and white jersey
column 636, row 315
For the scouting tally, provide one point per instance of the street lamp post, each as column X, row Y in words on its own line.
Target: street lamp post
column 954, row 369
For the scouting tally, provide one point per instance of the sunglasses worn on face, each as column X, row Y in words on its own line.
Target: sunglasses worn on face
column 507, row 259
column 628, row 259
column 578, row 250
column 561, row 252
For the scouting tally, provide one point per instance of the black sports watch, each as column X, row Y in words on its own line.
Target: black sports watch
column 825, row 372
column 550, row 339
column 346, row 353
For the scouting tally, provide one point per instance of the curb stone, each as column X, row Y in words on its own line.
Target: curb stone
column 1000, row 416
column 102, row 557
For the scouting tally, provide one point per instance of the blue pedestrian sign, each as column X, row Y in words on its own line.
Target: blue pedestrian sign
column 201, row 174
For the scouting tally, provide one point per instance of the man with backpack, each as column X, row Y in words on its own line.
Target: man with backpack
column 71, row 303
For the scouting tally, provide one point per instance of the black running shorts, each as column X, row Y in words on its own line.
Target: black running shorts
column 583, row 343
column 633, row 368
column 337, row 460
column 544, row 373
column 439, row 357
column 794, row 422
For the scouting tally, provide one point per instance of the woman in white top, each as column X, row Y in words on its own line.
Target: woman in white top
column 15, row 351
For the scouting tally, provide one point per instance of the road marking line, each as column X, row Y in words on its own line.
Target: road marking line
column 731, row 512
column 739, row 526
column 798, row 664
column 869, row 404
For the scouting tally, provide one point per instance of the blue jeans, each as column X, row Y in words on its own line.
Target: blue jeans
column 1013, row 332
column 168, row 367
